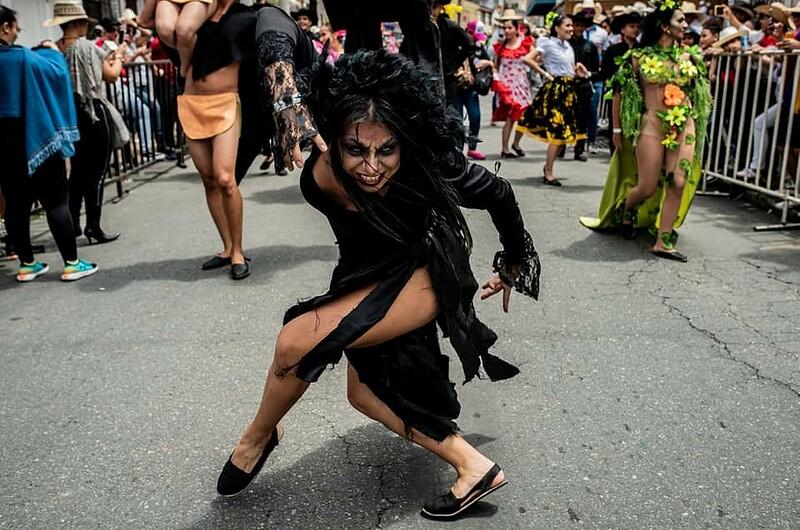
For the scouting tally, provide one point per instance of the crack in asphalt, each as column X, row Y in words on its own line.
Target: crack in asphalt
column 728, row 353
column 771, row 274
column 386, row 503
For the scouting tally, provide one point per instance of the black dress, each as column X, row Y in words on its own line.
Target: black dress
column 409, row 373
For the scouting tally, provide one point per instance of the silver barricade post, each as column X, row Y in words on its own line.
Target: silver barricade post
column 738, row 101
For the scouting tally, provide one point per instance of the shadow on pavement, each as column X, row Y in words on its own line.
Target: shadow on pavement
column 265, row 262
column 287, row 195
column 350, row 482
column 602, row 246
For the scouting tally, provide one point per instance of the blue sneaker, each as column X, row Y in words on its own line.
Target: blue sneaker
column 28, row 272
column 77, row 270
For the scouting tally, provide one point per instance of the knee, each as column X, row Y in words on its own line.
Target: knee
column 288, row 349
column 226, row 181
column 184, row 33
column 678, row 184
column 209, row 181
column 356, row 398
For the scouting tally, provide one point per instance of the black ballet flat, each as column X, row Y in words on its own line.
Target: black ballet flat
column 519, row 152
column 504, row 154
column 448, row 505
column 580, row 157
column 674, row 255
column 215, row 263
column 232, row 480
column 551, row 182
column 240, row 271
column 627, row 231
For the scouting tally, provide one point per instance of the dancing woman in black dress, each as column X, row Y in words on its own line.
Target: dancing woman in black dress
column 391, row 184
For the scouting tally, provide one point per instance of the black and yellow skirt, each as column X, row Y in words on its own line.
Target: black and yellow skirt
column 554, row 116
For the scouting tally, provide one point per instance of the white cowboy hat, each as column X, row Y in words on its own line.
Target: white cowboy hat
column 617, row 10
column 727, row 35
column 641, row 8
column 689, row 8
column 66, row 11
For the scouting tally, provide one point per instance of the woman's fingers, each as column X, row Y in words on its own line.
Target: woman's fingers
column 506, row 297
column 294, row 158
column 320, row 143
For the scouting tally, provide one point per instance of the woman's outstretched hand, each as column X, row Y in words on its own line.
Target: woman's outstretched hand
column 294, row 158
column 493, row 286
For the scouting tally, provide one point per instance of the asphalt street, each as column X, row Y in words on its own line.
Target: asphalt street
column 653, row 394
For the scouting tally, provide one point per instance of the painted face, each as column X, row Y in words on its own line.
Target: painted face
column 707, row 38
column 677, row 24
column 565, row 30
column 631, row 31
column 304, row 22
column 509, row 31
column 370, row 155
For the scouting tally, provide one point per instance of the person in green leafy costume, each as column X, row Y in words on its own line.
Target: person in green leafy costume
column 661, row 104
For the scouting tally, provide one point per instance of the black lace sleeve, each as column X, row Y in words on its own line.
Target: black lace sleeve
column 478, row 188
column 277, row 40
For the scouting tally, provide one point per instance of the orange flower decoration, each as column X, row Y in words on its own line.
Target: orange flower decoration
column 673, row 95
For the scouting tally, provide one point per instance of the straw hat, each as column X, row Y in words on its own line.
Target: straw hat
column 641, row 8
column 599, row 18
column 794, row 9
column 65, row 11
column 727, row 35
column 509, row 14
column 775, row 10
column 617, row 10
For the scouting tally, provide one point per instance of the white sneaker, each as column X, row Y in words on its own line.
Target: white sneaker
column 746, row 173
column 591, row 149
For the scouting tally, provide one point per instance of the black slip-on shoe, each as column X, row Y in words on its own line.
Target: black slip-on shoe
column 674, row 255
column 232, row 480
column 215, row 263
column 448, row 505
column 240, row 271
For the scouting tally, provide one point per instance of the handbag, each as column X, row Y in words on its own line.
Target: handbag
column 483, row 81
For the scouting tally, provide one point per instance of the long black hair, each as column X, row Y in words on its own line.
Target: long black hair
column 385, row 88
column 651, row 27
column 557, row 22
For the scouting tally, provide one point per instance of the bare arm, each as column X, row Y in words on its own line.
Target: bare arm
column 532, row 60
column 147, row 17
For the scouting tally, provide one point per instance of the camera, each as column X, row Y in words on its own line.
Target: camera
column 719, row 10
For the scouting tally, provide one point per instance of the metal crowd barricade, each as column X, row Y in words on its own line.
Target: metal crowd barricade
column 146, row 96
column 753, row 140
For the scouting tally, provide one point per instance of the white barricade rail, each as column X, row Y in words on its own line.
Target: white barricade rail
column 750, row 131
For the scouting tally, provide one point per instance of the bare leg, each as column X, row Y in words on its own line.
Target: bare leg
column 506, row 134
column 469, row 463
column 415, row 306
column 517, row 138
column 649, row 162
column 201, row 153
column 672, row 201
column 552, row 153
column 192, row 16
column 224, row 148
column 167, row 15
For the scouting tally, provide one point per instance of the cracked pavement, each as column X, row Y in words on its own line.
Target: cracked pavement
column 653, row 394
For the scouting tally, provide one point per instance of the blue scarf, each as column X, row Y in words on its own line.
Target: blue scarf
column 35, row 86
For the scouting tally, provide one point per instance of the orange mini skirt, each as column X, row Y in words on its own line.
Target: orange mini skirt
column 205, row 116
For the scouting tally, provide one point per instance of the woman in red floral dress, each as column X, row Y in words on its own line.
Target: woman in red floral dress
column 511, row 84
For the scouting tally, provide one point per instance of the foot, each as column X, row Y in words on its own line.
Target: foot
column 506, row 154
column 75, row 270
column 468, row 478
column 519, row 152
column 96, row 235
column 265, row 165
column 664, row 247
column 248, row 450
column 474, row 154
column 580, row 157
column 221, row 259
column 746, row 173
column 233, row 480
column 28, row 272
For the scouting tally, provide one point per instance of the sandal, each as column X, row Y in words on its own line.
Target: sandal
column 669, row 252
column 232, row 480
column 448, row 505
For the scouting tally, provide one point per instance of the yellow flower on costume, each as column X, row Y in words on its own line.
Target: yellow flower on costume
column 652, row 66
column 557, row 118
column 687, row 68
column 676, row 116
column 670, row 141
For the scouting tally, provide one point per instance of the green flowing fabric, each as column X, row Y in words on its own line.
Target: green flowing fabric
column 622, row 176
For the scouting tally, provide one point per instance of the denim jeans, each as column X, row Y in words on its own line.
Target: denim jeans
column 591, row 130
column 469, row 98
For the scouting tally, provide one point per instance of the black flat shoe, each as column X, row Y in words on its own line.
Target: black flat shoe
column 580, row 157
column 627, row 231
column 240, row 271
column 507, row 155
column 215, row 263
column 551, row 182
column 519, row 152
column 96, row 235
column 232, row 480
column 448, row 505
column 674, row 255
